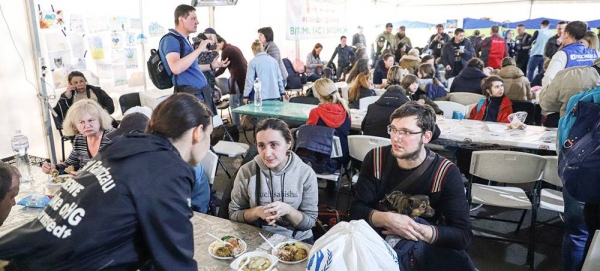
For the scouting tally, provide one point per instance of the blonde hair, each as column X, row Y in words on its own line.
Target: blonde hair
column 257, row 47
column 328, row 92
column 76, row 112
column 592, row 39
column 394, row 75
column 361, row 80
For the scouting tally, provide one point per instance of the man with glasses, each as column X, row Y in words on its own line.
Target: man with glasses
column 409, row 167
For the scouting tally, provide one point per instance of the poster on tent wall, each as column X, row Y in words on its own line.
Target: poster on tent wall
column 311, row 19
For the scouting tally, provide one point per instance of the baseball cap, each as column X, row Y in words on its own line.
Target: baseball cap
column 381, row 39
column 389, row 25
column 210, row 31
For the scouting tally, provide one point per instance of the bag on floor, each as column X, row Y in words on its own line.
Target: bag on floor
column 352, row 245
column 327, row 217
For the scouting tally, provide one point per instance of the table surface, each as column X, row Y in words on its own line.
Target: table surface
column 474, row 131
column 291, row 111
column 277, row 109
column 202, row 223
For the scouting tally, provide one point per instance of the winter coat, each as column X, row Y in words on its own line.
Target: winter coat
column 516, row 85
column 566, row 83
column 410, row 62
column 64, row 103
column 468, row 80
column 127, row 208
column 448, row 54
column 504, row 111
column 493, row 50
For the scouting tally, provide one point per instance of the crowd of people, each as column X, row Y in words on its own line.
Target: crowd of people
column 126, row 217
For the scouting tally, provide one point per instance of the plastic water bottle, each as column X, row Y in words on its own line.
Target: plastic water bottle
column 257, row 92
column 20, row 145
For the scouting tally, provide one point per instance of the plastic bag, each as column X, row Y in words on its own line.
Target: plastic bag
column 35, row 201
column 352, row 245
column 517, row 120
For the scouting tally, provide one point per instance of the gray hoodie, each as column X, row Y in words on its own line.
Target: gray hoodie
column 300, row 190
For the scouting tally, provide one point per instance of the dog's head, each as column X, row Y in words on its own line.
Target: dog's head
column 411, row 205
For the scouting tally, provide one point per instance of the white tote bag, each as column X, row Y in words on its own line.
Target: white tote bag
column 352, row 245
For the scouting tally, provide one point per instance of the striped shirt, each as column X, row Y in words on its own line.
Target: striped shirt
column 80, row 154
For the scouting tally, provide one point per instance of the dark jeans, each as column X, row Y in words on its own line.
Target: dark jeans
column 535, row 61
column 576, row 234
column 591, row 213
column 522, row 60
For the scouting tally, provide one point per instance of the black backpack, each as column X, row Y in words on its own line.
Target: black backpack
column 156, row 68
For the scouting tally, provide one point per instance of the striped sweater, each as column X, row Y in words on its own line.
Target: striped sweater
column 80, row 154
column 451, row 223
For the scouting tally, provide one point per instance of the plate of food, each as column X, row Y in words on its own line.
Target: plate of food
column 234, row 247
column 291, row 252
column 254, row 261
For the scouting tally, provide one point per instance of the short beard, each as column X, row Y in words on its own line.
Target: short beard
column 410, row 156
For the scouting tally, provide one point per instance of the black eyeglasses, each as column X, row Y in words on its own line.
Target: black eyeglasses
column 393, row 131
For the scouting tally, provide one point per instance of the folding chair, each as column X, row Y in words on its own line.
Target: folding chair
column 507, row 167
column 450, row 107
column 336, row 152
column 209, row 163
column 228, row 148
column 63, row 138
column 129, row 100
column 223, row 84
column 359, row 146
column 552, row 199
column 363, row 103
column 464, row 98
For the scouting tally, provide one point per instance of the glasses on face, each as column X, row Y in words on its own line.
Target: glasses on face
column 402, row 132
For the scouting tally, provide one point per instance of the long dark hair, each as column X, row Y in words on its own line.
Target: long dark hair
column 177, row 114
column 314, row 51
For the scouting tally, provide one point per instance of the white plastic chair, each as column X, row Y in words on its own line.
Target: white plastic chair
column 469, row 109
column 450, row 107
column 507, row 167
column 359, row 146
column 227, row 148
column 551, row 199
column 464, row 98
column 363, row 103
column 209, row 163
column 344, row 92
column 336, row 152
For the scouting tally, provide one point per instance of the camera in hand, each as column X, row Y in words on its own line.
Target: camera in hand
column 197, row 40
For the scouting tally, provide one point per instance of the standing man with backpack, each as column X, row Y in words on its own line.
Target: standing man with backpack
column 183, row 68
column 409, row 167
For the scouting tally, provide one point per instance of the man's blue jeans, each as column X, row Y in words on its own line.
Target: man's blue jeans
column 575, row 235
column 535, row 61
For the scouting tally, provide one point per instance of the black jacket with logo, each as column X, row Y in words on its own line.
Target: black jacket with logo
column 127, row 209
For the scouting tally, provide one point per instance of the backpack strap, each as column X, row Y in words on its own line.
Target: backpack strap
column 180, row 51
column 480, row 104
column 440, row 174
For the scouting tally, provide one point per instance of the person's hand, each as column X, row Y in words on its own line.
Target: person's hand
column 245, row 100
column 319, row 65
column 421, row 102
column 285, row 97
column 276, row 210
column 46, row 167
column 403, row 226
column 448, row 67
column 73, row 172
column 202, row 45
column 559, row 41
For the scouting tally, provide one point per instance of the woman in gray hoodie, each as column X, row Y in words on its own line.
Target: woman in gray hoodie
column 276, row 190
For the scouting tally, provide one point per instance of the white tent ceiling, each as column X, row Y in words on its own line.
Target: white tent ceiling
column 475, row 2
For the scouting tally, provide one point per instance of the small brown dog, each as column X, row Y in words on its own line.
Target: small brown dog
column 410, row 205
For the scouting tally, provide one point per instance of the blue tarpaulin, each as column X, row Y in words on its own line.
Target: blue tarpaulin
column 470, row 23
column 533, row 23
column 408, row 24
column 594, row 24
